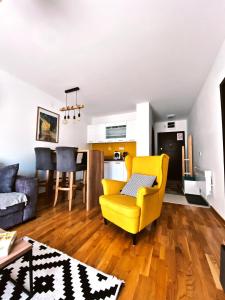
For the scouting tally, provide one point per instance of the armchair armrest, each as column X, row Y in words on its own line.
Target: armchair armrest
column 112, row 187
column 143, row 191
column 146, row 193
column 149, row 202
column 28, row 186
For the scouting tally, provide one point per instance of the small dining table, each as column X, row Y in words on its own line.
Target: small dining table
column 95, row 173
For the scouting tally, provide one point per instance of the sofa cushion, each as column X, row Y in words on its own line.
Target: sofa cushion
column 12, row 210
column 11, row 216
column 136, row 181
column 10, row 199
column 7, row 178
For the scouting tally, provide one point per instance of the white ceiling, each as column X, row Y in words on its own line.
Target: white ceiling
column 119, row 52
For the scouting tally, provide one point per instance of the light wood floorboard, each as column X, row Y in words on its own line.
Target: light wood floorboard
column 177, row 259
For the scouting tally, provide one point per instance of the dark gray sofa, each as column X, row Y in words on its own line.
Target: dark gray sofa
column 20, row 213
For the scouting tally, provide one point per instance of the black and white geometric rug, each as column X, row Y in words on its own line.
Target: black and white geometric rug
column 57, row 276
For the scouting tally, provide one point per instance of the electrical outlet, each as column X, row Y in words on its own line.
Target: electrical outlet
column 121, row 148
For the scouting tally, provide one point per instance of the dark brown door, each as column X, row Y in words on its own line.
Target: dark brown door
column 171, row 143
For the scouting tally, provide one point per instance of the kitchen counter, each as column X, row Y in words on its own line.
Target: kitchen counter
column 111, row 159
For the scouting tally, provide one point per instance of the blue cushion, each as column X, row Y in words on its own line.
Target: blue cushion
column 136, row 181
column 7, row 178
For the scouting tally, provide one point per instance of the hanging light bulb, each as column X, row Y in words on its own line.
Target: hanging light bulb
column 65, row 118
column 74, row 112
column 78, row 116
column 74, row 116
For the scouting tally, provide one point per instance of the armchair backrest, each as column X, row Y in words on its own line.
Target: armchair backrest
column 149, row 165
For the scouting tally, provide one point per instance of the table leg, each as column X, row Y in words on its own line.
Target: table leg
column 30, row 272
column 64, row 180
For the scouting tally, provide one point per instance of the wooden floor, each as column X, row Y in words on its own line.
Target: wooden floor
column 178, row 259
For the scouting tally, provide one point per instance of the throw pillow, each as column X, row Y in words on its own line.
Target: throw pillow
column 136, row 181
column 7, row 178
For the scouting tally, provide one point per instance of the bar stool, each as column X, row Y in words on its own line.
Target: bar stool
column 83, row 167
column 65, row 163
column 44, row 162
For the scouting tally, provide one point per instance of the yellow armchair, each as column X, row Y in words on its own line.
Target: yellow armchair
column 135, row 213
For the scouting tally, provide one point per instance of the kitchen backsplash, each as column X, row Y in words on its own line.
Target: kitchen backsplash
column 109, row 148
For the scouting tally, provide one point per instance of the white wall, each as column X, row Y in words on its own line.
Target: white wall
column 18, row 114
column 180, row 125
column 144, row 129
column 204, row 123
column 130, row 116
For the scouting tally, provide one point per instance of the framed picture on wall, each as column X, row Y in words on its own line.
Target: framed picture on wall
column 47, row 128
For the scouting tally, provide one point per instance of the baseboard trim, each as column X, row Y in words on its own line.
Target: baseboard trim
column 217, row 215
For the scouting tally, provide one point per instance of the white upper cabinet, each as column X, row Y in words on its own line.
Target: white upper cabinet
column 116, row 132
column 112, row 132
column 100, row 133
column 96, row 133
column 131, row 131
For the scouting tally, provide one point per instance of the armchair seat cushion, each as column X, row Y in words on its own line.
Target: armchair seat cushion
column 122, row 204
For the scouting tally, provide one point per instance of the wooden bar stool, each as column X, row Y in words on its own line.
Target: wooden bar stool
column 83, row 167
column 65, row 163
column 44, row 163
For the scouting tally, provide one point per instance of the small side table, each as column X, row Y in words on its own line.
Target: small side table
column 20, row 248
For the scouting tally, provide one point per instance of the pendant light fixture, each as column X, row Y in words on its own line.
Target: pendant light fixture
column 74, row 107
column 74, row 111
column 65, row 117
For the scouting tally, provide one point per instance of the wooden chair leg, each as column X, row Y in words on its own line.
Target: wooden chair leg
column 70, row 190
column 68, row 178
column 84, row 185
column 56, row 188
column 47, row 185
